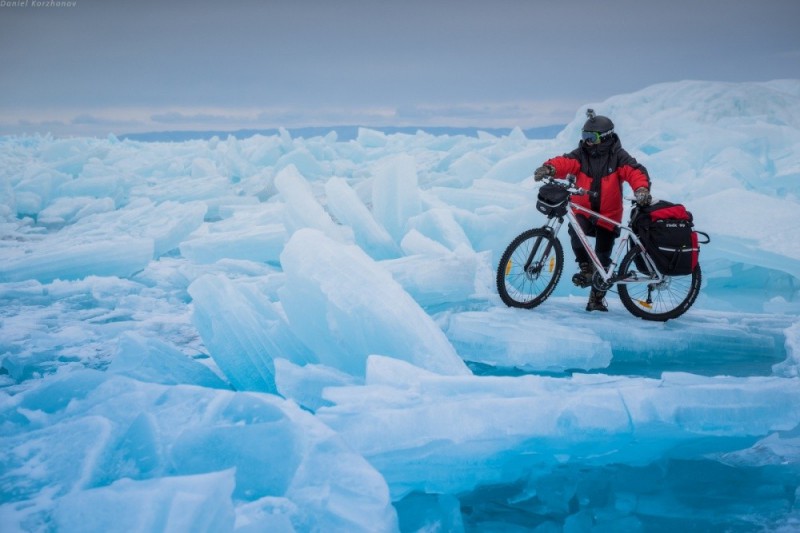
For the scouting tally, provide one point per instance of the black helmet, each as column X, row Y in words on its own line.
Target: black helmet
column 597, row 128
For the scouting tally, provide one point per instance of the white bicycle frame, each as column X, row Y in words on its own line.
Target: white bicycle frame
column 618, row 252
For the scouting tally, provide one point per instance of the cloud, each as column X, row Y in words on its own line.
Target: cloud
column 177, row 117
column 122, row 120
column 491, row 114
column 789, row 54
column 92, row 120
column 311, row 55
column 63, row 123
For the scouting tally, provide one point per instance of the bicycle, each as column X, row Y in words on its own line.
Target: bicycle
column 532, row 264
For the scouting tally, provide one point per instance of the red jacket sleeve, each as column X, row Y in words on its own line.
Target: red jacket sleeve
column 632, row 172
column 635, row 177
column 564, row 165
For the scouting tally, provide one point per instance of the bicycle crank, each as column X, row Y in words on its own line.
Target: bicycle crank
column 600, row 284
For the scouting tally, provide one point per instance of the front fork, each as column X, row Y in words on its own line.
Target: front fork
column 552, row 226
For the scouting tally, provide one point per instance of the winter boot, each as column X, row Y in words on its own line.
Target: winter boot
column 584, row 277
column 597, row 301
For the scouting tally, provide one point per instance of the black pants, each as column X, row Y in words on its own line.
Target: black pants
column 603, row 242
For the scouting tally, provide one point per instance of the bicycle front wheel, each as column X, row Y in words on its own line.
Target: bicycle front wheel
column 530, row 268
column 658, row 301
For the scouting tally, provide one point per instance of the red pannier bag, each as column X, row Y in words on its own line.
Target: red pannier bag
column 666, row 230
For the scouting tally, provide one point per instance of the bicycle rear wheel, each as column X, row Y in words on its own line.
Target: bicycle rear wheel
column 657, row 301
column 530, row 268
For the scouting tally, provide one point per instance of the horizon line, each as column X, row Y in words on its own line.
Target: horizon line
column 349, row 131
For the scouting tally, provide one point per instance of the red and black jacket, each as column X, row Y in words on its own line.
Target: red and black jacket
column 602, row 168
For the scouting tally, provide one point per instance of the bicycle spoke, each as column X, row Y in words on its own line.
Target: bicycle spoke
column 529, row 269
column 659, row 301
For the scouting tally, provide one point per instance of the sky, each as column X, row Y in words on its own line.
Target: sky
column 93, row 67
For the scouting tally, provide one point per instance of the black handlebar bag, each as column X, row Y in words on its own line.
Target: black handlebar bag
column 552, row 200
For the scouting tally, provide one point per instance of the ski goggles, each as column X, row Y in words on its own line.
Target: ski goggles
column 594, row 137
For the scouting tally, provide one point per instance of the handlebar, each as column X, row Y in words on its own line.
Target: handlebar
column 568, row 183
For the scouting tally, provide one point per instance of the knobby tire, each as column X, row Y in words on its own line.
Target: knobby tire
column 657, row 301
column 527, row 289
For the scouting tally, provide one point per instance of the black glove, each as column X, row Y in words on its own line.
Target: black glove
column 544, row 171
column 643, row 197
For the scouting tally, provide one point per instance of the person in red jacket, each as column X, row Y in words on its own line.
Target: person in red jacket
column 601, row 165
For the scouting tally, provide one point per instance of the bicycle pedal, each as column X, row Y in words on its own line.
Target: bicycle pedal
column 579, row 281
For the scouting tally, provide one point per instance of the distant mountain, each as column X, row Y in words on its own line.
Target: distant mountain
column 344, row 133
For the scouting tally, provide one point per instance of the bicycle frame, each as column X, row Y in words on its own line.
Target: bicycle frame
column 531, row 265
column 608, row 275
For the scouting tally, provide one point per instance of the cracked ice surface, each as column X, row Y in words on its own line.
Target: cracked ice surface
column 279, row 333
